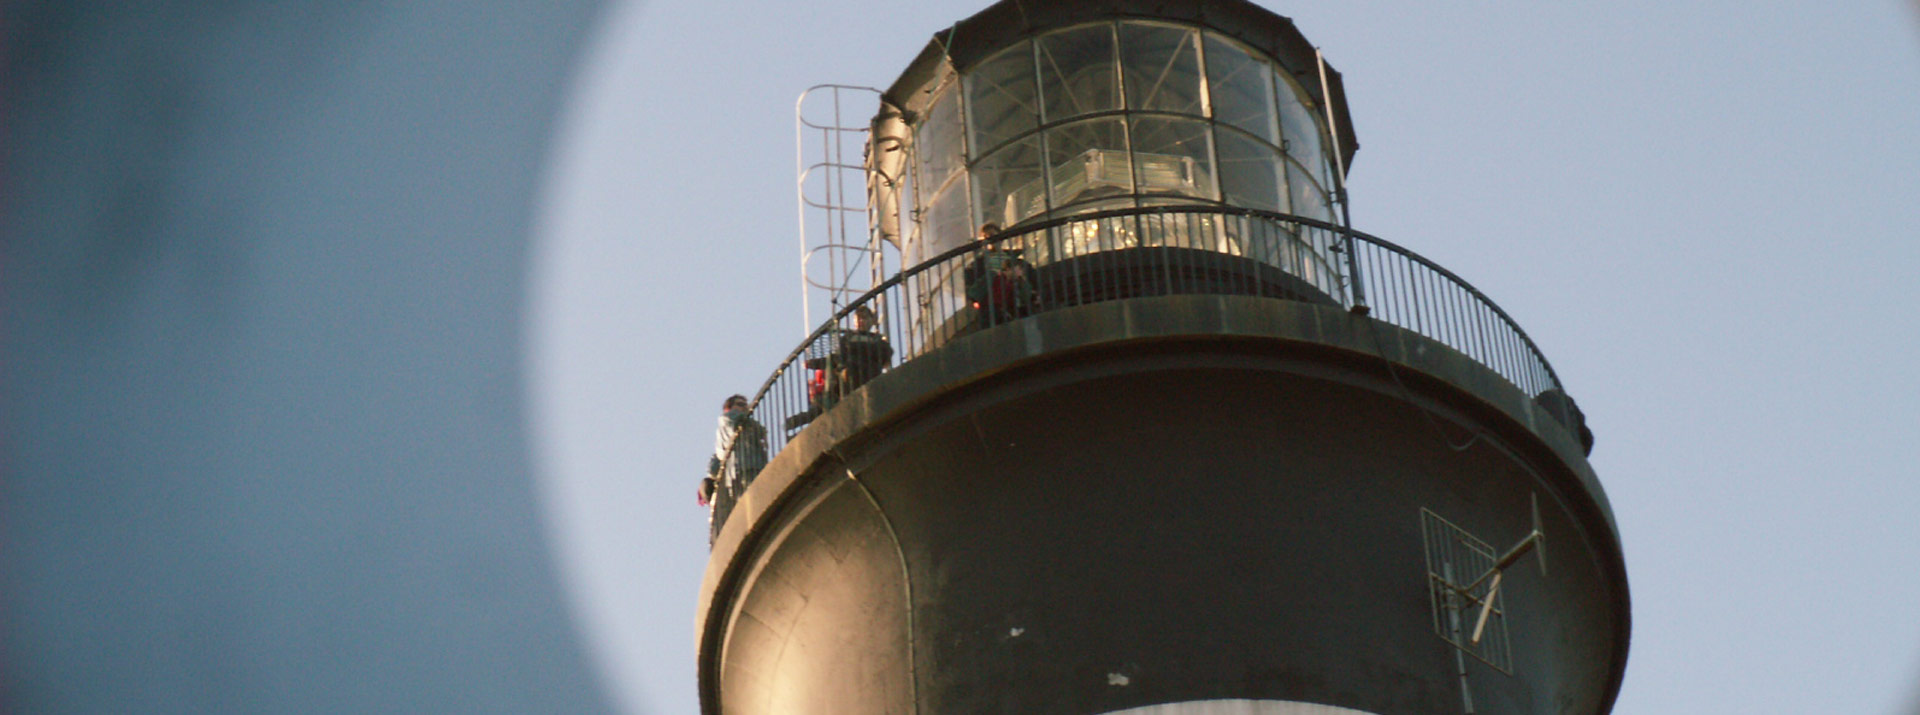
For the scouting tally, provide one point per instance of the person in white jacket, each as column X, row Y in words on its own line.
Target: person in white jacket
column 739, row 452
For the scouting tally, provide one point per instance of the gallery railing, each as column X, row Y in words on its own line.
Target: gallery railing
column 1128, row 253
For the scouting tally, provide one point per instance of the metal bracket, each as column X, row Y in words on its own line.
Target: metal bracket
column 1468, row 613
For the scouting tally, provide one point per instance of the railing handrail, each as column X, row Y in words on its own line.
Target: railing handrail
column 1407, row 290
column 1019, row 230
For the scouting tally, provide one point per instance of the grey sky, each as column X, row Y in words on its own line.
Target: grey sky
column 1704, row 213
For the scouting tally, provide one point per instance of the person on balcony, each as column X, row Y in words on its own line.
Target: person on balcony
column 851, row 358
column 999, row 282
column 739, row 453
column 859, row 354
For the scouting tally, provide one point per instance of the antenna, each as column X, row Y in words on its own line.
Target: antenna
column 1452, row 554
column 1535, row 541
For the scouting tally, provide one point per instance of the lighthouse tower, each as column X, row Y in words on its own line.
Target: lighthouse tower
column 1141, row 424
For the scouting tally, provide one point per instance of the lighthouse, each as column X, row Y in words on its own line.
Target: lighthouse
column 1139, row 422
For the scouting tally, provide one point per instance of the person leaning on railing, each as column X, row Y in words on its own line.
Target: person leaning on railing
column 858, row 354
column 739, row 452
column 999, row 282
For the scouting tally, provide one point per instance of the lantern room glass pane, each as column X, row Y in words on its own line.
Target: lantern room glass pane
column 1162, row 68
column 1172, row 157
column 1001, row 101
column 1240, row 87
column 1088, row 160
column 938, row 146
column 1307, row 198
column 1077, row 72
column 948, row 223
column 1300, row 125
column 1009, row 185
column 1251, row 171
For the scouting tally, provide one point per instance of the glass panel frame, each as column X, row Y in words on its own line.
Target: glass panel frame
column 1002, row 99
column 1240, row 88
column 1117, row 113
column 1252, row 172
column 1305, row 197
column 1079, row 72
column 1160, row 68
column 1087, row 160
column 948, row 220
column 1302, row 126
column 939, row 149
column 1010, row 184
column 1172, row 156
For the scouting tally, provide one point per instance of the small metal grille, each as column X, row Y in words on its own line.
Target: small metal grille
column 1455, row 559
